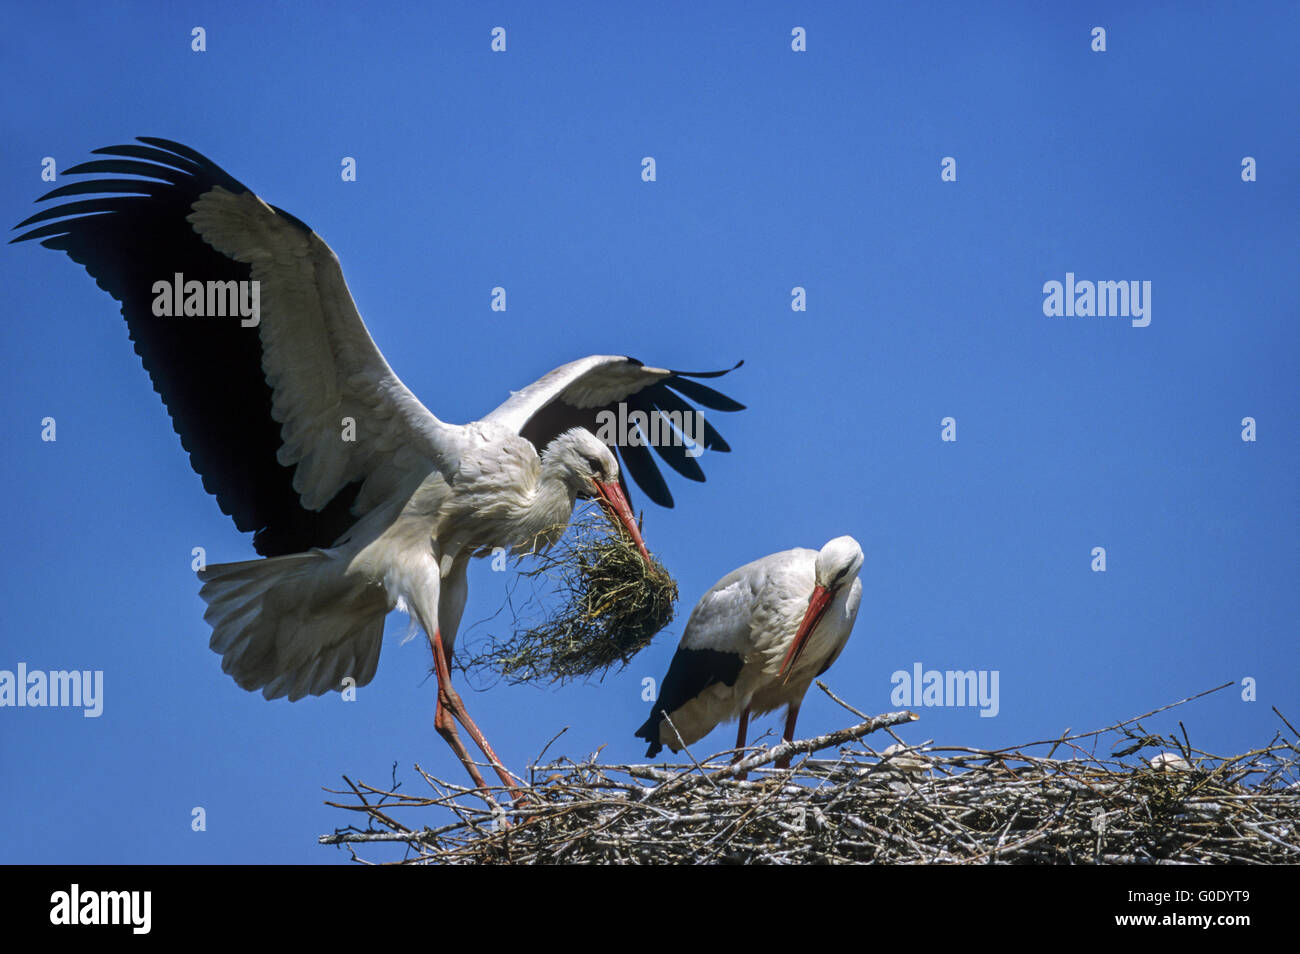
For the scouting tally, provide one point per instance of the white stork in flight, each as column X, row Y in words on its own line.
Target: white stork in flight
column 756, row 641
column 349, row 526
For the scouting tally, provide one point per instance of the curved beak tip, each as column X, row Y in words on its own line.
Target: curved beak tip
column 615, row 504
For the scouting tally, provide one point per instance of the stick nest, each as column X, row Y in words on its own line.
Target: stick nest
column 596, row 605
column 1153, row 800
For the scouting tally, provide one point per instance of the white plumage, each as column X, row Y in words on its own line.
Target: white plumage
column 755, row 642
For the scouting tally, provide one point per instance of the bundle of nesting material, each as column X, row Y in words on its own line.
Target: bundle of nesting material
column 597, row 605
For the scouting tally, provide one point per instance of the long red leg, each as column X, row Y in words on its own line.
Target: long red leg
column 449, row 699
column 741, row 733
column 791, row 715
column 443, row 722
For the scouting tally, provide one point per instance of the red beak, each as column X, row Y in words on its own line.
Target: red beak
column 817, row 603
column 614, row 501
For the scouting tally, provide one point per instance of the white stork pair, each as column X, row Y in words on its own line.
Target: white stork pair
column 352, row 523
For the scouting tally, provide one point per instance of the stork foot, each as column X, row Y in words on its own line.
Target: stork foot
column 449, row 703
column 446, row 727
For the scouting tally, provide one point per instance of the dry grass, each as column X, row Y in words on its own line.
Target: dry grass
column 594, row 605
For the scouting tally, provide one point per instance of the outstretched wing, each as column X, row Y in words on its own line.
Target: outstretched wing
column 637, row 406
column 263, row 410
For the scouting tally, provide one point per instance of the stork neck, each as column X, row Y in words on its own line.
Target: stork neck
column 547, row 511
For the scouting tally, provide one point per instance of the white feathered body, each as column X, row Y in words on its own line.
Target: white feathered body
column 298, row 624
column 753, row 613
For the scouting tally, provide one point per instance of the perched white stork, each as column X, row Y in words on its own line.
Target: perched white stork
column 360, row 499
column 756, row 641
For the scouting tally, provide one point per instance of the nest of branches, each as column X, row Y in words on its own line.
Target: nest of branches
column 1053, row 801
column 595, row 604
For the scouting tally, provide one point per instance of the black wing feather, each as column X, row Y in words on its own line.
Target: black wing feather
column 704, row 395
column 558, row 416
column 673, row 454
column 638, row 462
column 690, row 673
column 666, row 400
column 207, row 371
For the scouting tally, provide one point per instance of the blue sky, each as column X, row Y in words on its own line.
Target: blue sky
column 775, row 169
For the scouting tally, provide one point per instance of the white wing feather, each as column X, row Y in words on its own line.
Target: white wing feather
column 754, row 607
column 589, row 382
column 321, row 362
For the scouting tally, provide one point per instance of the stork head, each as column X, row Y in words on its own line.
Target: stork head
column 837, row 566
column 589, row 469
column 838, row 562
